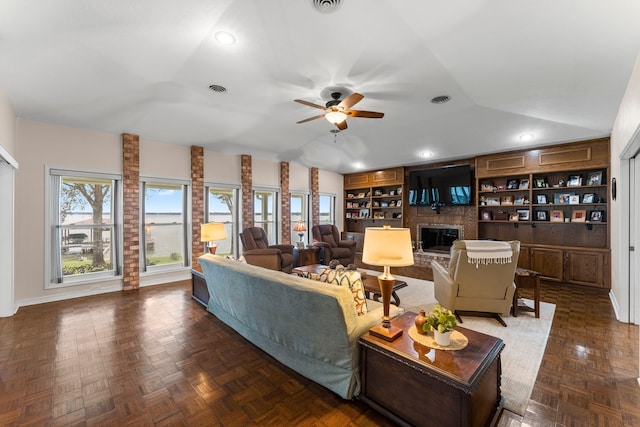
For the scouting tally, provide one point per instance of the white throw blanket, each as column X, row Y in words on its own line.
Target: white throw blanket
column 488, row 252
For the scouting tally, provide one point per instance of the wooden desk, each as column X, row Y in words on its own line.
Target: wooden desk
column 527, row 279
column 416, row 385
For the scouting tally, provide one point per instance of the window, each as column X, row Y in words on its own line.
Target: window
column 299, row 212
column 164, row 235
column 327, row 209
column 265, row 213
column 222, row 206
column 85, row 227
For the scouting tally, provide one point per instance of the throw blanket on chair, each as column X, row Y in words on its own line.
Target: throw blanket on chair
column 488, row 252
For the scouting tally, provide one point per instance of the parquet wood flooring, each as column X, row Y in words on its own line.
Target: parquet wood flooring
column 155, row 357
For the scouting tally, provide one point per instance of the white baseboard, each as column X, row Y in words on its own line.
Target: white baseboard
column 68, row 295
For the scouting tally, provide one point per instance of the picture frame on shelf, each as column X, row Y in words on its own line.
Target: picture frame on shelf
column 348, row 215
column 384, row 204
column 399, row 191
column 523, row 214
column 519, row 200
column 392, row 192
column 541, row 199
column 377, row 193
column 398, row 203
column 514, row 216
column 562, row 198
column 379, row 215
column 574, row 181
column 596, row 216
column 557, row 215
column 349, row 195
column 493, row 201
column 487, row 215
column 364, row 213
column 574, row 199
column 579, row 215
column 541, row 182
column 588, row 198
column 487, row 186
column 513, row 184
column 524, row 184
column 397, row 215
column 595, row 178
column 506, row 200
column 542, row 216
column 360, row 196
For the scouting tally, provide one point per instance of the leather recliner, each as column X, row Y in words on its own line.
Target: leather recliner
column 480, row 289
column 258, row 251
column 327, row 238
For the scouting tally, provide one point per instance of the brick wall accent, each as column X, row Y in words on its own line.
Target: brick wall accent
column 247, row 190
column 285, row 203
column 315, row 197
column 197, row 204
column 131, row 209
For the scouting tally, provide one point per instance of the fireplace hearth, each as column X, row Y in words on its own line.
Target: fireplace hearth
column 438, row 237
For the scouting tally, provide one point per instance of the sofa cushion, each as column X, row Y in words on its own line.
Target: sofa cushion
column 353, row 280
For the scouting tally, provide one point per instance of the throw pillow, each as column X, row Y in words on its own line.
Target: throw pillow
column 351, row 279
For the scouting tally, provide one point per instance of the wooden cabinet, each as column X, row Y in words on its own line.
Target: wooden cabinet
column 555, row 201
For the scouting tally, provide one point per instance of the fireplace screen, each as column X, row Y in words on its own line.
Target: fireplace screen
column 438, row 238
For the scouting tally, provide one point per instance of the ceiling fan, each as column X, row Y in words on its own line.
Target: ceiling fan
column 337, row 111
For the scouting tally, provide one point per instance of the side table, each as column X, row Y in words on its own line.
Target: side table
column 306, row 256
column 527, row 279
column 412, row 384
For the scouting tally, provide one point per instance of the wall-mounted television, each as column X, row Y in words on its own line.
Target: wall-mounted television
column 445, row 186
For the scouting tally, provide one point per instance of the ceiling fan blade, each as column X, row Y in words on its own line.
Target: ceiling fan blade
column 351, row 100
column 310, row 104
column 342, row 125
column 366, row 114
column 311, row 118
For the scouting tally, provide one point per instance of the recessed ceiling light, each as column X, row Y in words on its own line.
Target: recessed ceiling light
column 426, row 154
column 526, row 137
column 441, row 99
column 358, row 165
column 225, row 38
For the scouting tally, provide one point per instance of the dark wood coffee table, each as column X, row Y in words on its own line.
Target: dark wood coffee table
column 413, row 384
column 370, row 283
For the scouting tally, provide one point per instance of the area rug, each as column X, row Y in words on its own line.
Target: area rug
column 525, row 339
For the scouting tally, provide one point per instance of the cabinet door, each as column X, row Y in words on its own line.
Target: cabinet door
column 524, row 259
column 587, row 268
column 548, row 262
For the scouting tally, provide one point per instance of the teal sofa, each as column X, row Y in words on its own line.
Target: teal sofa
column 309, row 326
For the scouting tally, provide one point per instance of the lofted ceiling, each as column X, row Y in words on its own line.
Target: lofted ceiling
column 556, row 69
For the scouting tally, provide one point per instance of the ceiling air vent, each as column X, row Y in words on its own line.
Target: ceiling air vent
column 441, row 99
column 218, row 88
column 326, row 6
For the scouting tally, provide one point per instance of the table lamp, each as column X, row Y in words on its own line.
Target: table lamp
column 300, row 228
column 210, row 232
column 387, row 247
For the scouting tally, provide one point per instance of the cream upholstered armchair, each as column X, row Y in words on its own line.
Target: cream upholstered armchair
column 480, row 283
column 327, row 238
column 258, row 251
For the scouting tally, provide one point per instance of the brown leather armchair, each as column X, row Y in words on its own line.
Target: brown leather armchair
column 257, row 251
column 327, row 238
column 476, row 289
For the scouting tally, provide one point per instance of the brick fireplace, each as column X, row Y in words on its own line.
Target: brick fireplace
column 438, row 237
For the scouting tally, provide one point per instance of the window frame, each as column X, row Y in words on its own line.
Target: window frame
column 236, row 219
column 305, row 215
column 276, row 237
column 332, row 207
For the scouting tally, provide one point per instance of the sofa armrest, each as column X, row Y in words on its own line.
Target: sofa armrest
column 444, row 287
column 267, row 258
column 347, row 243
column 286, row 249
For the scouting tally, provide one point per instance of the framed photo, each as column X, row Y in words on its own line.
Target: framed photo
column 399, row 191
column 524, row 184
column 364, row 213
column 574, row 199
column 557, row 215
column 519, row 200
column 595, row 178
column 513, row 184
column 506, row 200
column 596, row 216
column 588, row 198
column 379, row 215
column 360, row 195
column 384, row 204
column 523, row 214
column 398, row 203
column 542, row 216
column 392, row 204
column 541, row 199
column 487, row 216
column 579, row 215
column 348, row 215
column 399, row 216
column 392, row 192
column 349, row 195
column 487, row 186
column 514, row 216
column 574, row 181
column 493, row 201
column 541, row 182
column 562, row 198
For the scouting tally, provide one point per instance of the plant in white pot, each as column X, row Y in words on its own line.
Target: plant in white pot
column 443, row 322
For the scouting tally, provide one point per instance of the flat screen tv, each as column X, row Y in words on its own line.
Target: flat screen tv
column 446, row 186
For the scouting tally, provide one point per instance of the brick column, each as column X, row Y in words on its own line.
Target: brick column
column 247, row 191
column 315, row 197
column 197, row 204
column 286, row 203
column 131, row 209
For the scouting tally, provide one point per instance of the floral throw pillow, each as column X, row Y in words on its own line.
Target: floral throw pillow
column 351, row 279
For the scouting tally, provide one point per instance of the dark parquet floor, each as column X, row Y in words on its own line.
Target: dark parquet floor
column 155, row 357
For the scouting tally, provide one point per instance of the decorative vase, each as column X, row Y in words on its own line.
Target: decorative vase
column 442, row 338
column 420, row 321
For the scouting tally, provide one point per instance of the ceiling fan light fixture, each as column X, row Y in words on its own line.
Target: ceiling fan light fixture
column 326, row 6
column 225, row 38
column 335, row 117
column 526, row 137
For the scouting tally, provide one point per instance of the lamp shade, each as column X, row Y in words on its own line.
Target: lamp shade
column 300, row 226
column 212, row 231
column 335, row 117
column 386, row 246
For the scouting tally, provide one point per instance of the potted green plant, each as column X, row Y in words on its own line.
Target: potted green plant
column 442, row 321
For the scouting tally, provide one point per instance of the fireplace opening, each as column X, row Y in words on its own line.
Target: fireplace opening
column 439, row 237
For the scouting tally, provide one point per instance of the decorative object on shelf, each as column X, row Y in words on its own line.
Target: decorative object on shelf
column 542, row 199
column 442, row 321
column 541, row 182
column 211, row 232
column 574, row 199
column 506, row 200
column 487, row 186
column 596, row 216
column 579, row 215
column 542, row 216
column 387, row 247
column 595, row 178
column 487, row 216
column 514, row 216
column 562, row 198
column 457, row 341
column 557, row 215
column 519, row 200
column 524, row 184
column 523, row 214
column 300, row 228
column 513, row 184
column 493, row 201
column 588, row 198
column 421, row 319
column 501, row 216
column 574, row 181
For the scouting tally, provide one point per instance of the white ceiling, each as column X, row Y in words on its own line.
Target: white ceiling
column 554, row 68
